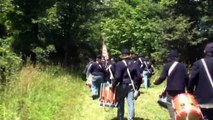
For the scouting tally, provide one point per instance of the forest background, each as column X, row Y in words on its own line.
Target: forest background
column 66, row 33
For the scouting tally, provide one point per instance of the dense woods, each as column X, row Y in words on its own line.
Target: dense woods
column 68, row 32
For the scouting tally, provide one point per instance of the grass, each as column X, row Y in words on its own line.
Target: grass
column 55, row 94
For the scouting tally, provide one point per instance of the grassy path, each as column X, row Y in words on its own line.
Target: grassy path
column 55, row 94
column 80, row 106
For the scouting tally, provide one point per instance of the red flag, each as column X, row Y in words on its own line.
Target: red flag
column 104, row 51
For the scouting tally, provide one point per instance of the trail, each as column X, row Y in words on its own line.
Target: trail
column 55, row 94
column 80, row 106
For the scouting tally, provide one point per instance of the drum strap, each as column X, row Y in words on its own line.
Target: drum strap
column 110, row 71
column 129, row 74
column 170, row 71
column 141, row 62
column 88, row 69
column 145, row 62
column 172, row 67
column 207, row 72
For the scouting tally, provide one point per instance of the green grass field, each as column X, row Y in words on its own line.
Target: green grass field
column 55, row 94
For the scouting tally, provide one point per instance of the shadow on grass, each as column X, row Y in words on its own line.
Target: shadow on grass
column 134, row 119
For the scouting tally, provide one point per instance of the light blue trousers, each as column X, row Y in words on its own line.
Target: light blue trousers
column 146, row 79
column 131, row 105
column 96, row 83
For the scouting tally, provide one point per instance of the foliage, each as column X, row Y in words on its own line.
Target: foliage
column 42, row 55
column 10, row 63
column 149, row 26
column 200, row 15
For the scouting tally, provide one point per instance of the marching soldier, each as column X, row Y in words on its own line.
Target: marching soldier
column 97, row 70
column 128, row 79
column 177, row 79
column 201, row 84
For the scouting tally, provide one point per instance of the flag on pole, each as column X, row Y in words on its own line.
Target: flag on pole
column 104, row 51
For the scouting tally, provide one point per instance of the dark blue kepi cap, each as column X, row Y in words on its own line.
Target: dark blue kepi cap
column 172, row 53
column 98, row 57
column 125, row 51
column 209, row 48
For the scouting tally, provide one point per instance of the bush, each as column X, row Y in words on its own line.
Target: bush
column 9, row 61
column 42, row 55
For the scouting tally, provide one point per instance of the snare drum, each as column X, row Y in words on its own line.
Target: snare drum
column 186, row 107
column 107, row 96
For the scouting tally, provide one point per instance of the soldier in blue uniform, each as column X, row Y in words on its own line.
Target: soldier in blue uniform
column 177, row 79
column 124, row 85
column 146, row 69
column 140, row 61
column 201, row 84
column 97, row 70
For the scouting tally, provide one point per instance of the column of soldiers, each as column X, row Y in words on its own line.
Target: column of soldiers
column 199, row 83
column 115, row 73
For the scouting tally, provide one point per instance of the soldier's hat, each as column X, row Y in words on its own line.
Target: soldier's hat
column 172, row 53
column 209, row 48
column 98, row 57
column 125, row 53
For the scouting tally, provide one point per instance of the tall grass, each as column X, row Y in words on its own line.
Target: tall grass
column 55, row 94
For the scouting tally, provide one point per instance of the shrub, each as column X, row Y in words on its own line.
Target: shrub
column 9, row 61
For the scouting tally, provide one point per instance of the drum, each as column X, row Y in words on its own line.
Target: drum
column 107, row 96
column 186, row 107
